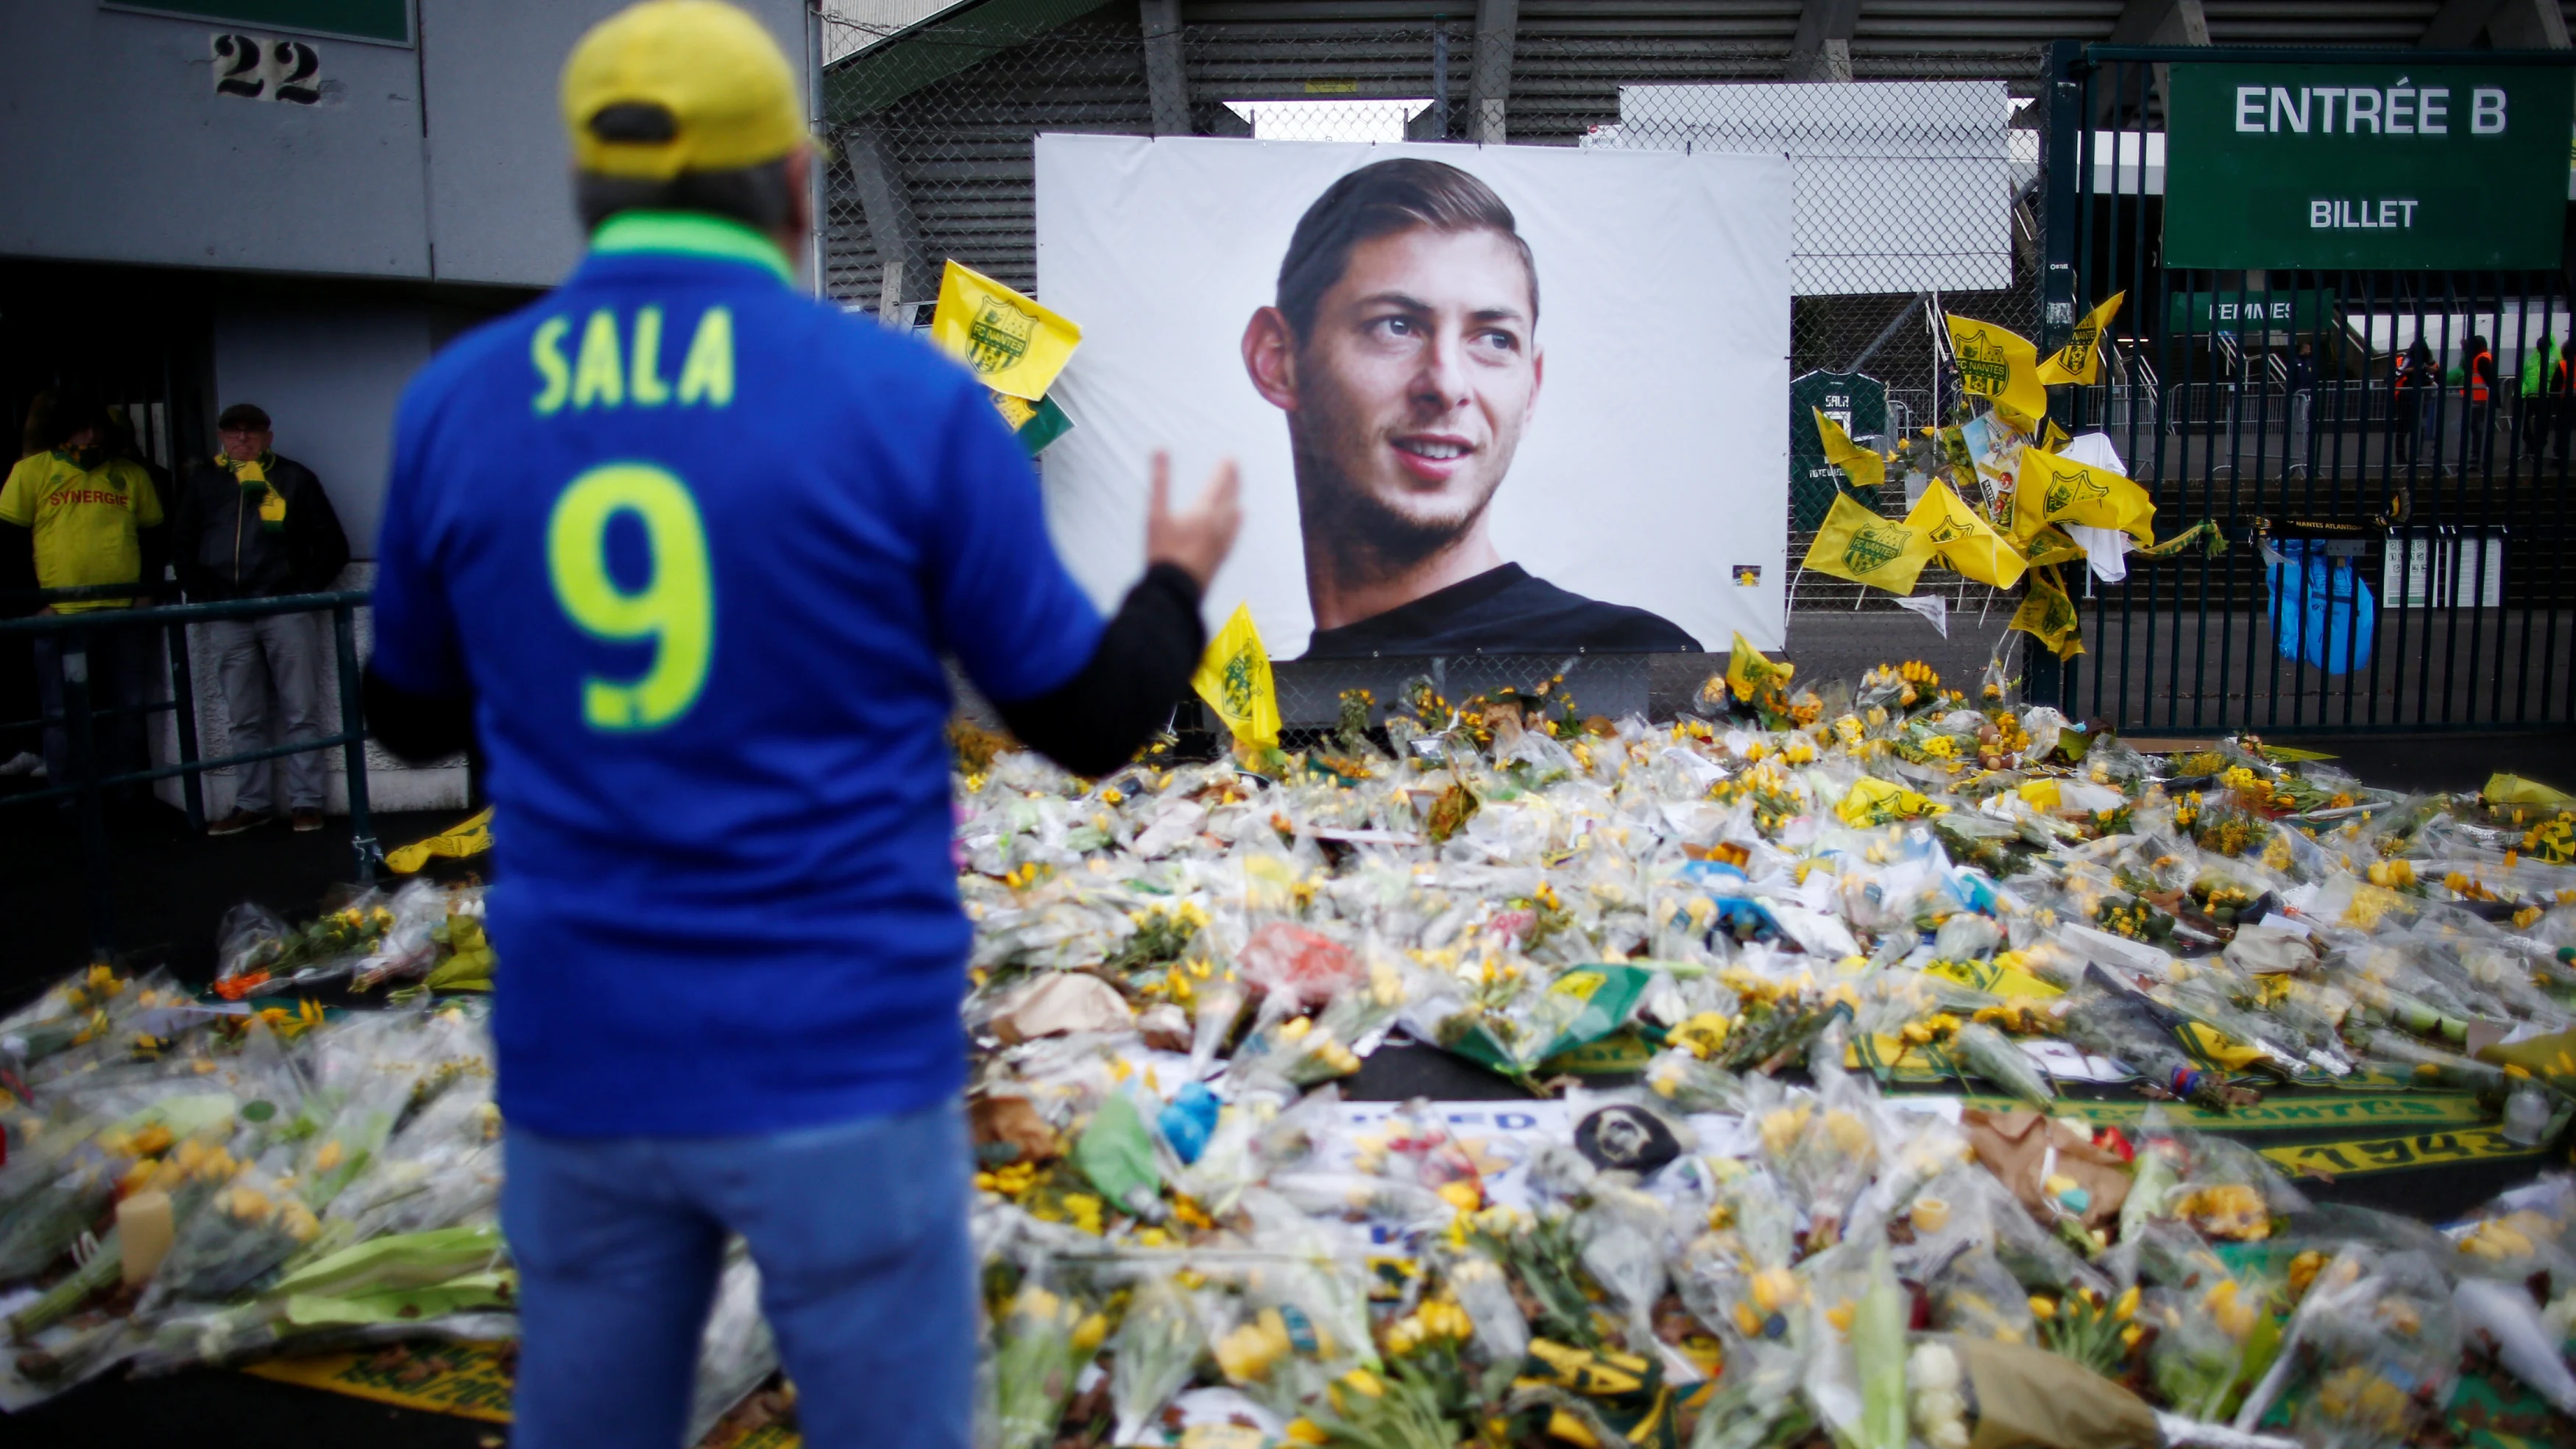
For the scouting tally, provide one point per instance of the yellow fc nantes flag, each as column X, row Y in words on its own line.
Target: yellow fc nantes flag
column 1859, row 545
column 2051, row 546
column 1234, row 678
column 1014, row 345
column 1865, row 468
column 1966, row 543
column 2052, row 489
column 1748, row 672
column 2049, row 616
column 2081, row 358
column 1999, row 366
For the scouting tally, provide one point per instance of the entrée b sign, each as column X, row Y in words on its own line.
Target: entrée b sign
column 2367, row 166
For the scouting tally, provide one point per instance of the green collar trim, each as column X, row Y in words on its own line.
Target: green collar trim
column 689, row 233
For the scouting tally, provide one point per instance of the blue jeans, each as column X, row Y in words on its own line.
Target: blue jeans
column 867, row 1278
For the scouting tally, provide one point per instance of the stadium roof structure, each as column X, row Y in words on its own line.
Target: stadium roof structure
column 1741, row 39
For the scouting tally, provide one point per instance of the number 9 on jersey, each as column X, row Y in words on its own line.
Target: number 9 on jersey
column 675, row 607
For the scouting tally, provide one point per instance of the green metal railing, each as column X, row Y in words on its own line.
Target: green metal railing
column 74, row 635
column 2459, row 509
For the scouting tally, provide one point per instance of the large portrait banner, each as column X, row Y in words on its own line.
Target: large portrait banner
column 1511, row 399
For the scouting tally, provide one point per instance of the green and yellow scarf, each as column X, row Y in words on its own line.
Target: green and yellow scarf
column 257, row 490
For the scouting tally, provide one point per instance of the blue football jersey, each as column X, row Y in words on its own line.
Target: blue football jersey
column 696, row 545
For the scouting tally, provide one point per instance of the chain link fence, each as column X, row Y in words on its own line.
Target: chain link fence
column 1911, row 199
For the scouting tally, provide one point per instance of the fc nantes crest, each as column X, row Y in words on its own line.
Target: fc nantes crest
column 2047, row 615
column 1858, row 545
column 1874, row 546
column 1984, row 367
column 2067, row 490
column 1964, row 540
column 1998, row 365
column 1234, row 678
column 999, row 336
column 2080, row 359
column 1015, row 346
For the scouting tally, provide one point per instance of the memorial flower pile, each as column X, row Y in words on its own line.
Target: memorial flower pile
column 1787, row 1010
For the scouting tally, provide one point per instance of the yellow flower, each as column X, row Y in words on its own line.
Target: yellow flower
column 1251, row 1348
column 1774, row 1289
column 2127, row 1306
column 2042, row 1309
column 1850, row 1135
column 1781, row 1126
column 1089, row 1332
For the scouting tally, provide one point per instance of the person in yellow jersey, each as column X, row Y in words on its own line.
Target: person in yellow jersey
column 682, row 550
column 85, row 514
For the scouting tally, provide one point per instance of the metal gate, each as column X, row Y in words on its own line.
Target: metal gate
column 2395, row 544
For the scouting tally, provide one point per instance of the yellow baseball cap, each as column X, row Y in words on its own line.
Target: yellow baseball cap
column 679, row 85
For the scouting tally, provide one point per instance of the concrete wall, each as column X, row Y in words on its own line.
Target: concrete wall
column 443, row 161
column 328, row 375
column 120, row 150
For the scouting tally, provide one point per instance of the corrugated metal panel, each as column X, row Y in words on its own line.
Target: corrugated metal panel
column 2347, row 22
column 961, row 146
column 962, row 140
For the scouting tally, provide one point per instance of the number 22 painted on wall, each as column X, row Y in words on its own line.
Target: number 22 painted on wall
column 674, row 608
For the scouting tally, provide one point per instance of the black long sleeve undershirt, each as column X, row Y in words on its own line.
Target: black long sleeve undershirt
column 1094, row 721
column 416, row 728
column 1090, row 724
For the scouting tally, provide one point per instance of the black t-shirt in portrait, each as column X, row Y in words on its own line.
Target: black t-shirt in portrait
column 1502, row 611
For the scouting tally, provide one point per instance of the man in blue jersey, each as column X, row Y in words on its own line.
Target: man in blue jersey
column 682, row 550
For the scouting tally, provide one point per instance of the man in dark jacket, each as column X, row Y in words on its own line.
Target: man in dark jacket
column 253, row 525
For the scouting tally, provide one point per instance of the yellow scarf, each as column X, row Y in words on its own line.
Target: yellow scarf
column 253, row 478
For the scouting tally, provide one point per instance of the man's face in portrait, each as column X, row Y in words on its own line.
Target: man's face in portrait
column 1409, row 395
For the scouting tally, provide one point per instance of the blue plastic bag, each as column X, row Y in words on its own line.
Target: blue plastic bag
column 2323, row 613
column 1189, row 1120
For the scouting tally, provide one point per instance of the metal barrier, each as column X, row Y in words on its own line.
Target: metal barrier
column 2378, row 517
column 78, row 720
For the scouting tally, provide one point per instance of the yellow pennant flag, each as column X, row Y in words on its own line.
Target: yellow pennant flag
column 1234, row 678
column 2051, row 436
column 2054, row 489
column 2050, row 547
column 1999, row 366
column 2080, row 360
column 2049, row 616
column 1964, row 542
column 1873, row 801
column 1863, row 466
column 1749, row 671
column 1857, row 544
column 1013, row 345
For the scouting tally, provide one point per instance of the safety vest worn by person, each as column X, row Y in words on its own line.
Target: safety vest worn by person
column 2481, row 376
